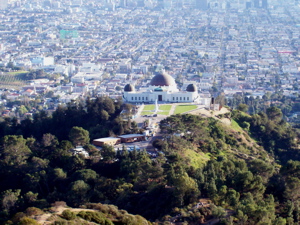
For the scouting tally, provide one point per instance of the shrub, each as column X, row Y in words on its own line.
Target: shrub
column 17, row 217
column 96, row 217
column 68, row 215
column 28, row 221
column 113, row 210
column 98, row 206
column 62, row 222
column 59, row 203
column 33, row 211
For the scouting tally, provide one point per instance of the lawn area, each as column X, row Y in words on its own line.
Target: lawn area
column 146, row 113
column 166, row 113
column 184, row 108
column 165, row 107
column 236, row 126
column 17, row 72
column 149, row 107
column 11, row 81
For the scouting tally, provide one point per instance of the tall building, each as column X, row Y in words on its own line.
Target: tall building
column 188, row 3
column 214, row 4
column 47, row 3
column 3, row 4
column 123, row 3
column 140, row 3
column 168, row 4
column 255, row 3
column 160, row 4
column 76, row 3
column 241, row 4
column 264, row 4
column 201, row 4
column 248, row 5
column 177, row 4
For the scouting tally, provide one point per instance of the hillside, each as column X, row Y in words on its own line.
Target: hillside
column 248, row 169
column 91, row 214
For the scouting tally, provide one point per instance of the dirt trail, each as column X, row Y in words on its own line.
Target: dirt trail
column 42, row 219
column 209, row 113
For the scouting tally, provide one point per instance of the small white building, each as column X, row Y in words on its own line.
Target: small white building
column 80, row 150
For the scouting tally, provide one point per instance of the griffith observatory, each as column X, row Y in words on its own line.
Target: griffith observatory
column 162, row 88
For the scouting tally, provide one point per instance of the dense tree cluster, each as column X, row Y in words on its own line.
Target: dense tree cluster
column 99, row 116
column 247, row 181
column 272, row 132
column 287, row 104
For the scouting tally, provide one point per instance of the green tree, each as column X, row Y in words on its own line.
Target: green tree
column 218, row 211
column 243, row 107
column 78, row 192
column 59, row 174
column 9, row 199
column 49, row 140
column 108, row 153
column 79, row 136
column 22, row 110
column 14, row 151
column 104, row 115
column 233, row 197
column 274, row 113
column 186, row 189
column 87, row 175
column 280, row 221
column 108, row 105
column 92, row 150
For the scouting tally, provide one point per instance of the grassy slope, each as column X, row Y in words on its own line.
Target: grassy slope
column 197, row 160
column 184, row 108
column 247, row 148
column 236, row 126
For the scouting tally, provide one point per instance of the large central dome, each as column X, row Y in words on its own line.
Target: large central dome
column 162, row 79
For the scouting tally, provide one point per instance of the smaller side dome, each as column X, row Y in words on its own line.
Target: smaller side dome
column 191, row 88
column 129, row 88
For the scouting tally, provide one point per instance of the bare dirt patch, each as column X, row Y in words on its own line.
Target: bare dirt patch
column 57, row 211
column 214, row 114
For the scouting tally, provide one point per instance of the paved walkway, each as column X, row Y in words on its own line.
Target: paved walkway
column 172, row 110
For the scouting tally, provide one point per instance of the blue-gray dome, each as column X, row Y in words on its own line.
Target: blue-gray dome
column 191, row 88
column 129, row 88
